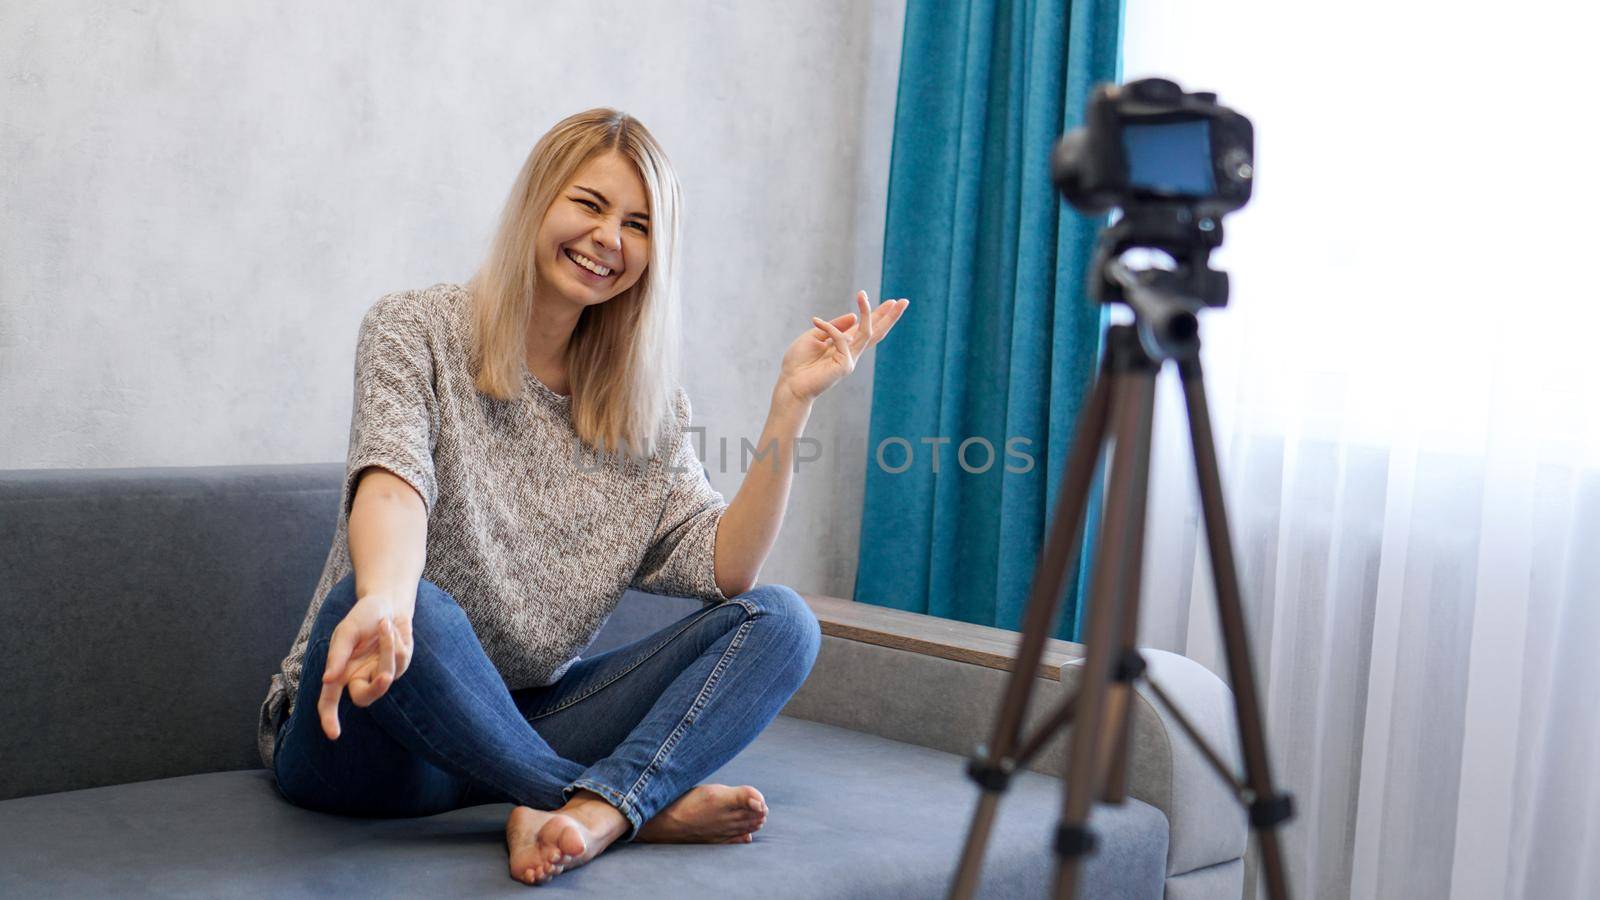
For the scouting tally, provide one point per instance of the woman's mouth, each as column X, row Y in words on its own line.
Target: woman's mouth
column 588, row 268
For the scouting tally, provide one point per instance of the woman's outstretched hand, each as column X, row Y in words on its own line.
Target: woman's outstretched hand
column 371, row 647
column 824, row 354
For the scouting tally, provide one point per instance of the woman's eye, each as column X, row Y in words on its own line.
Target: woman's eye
column 639, row 225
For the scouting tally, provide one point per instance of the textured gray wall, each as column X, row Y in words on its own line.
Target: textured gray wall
column 200, row 200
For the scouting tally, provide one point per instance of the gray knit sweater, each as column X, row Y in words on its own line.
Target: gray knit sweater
column 534, row 540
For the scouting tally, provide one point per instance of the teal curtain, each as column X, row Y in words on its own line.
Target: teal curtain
column 1000, row 341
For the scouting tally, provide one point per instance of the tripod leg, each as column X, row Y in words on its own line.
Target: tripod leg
column 1059, row 556
column 1267, row 808
column 1073, row 839
column 1127, row 665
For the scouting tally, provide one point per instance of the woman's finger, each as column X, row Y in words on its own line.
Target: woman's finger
column 890, row 310
column 363, row 685
column 403, row 657
column 344, row 641
column 328, row 708
column 896, row 308
column 848, row 320
column 839, row 340
column 386, row 660
column 863, row 338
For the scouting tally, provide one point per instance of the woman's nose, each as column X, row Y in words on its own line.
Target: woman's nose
column 608, row 237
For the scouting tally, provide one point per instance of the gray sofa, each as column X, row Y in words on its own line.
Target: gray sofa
column 146, row 608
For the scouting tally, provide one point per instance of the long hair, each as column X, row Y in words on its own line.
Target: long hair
column 622, row 359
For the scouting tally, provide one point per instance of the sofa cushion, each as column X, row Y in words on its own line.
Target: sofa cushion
column 852, row 815
column 145, row 612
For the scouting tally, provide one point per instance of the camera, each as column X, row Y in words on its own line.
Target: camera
column 1148, row 143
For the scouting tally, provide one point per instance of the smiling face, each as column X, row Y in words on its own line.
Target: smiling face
column 600, row 219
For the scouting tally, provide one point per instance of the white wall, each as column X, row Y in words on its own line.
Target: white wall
column 199, row 201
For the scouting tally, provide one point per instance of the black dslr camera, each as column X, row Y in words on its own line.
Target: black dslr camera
column 1173, row 163
column 1147, row 142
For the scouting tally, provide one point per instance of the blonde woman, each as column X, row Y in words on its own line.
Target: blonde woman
column 518, row 458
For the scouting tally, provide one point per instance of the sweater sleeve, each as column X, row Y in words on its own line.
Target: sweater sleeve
column 394, row 422
column 681, row 559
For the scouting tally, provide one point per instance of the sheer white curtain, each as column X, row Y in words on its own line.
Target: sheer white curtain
column 1407, row 410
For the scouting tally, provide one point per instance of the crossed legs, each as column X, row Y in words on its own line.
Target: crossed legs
column 613, row 751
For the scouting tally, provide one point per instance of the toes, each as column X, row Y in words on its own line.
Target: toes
column 753, row 799
column 535, row 870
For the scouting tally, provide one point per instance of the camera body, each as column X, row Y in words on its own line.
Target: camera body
column 1148, row 143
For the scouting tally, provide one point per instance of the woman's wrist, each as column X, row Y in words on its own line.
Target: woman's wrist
column 786, row 401
column 390, row 602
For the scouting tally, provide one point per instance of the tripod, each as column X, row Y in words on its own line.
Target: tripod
column 1123, row 399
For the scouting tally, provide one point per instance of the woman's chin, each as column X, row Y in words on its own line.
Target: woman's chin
column 582, row 294
column 589, row 298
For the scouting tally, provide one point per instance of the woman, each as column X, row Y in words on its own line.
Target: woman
column 517, row 460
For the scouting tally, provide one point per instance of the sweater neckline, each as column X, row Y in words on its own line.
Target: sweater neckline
column 531, row 385
column 541, row 390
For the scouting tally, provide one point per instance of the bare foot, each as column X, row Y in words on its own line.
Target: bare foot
column 543, row 844
column 710, row 813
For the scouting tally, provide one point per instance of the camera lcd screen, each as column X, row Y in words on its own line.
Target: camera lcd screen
column 1170, row 158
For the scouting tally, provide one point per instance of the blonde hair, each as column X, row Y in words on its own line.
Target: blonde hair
column 622, row 359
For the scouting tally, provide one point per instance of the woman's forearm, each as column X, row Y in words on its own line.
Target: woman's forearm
column 750, row 526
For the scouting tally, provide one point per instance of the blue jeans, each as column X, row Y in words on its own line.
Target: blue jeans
column 639, row 725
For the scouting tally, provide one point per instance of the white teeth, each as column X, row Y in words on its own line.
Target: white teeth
column 588, row 263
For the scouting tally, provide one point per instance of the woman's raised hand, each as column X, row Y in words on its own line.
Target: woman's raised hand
column 824, row 354
column 370, row 648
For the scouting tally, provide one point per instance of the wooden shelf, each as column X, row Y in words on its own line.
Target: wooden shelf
column 994, row 648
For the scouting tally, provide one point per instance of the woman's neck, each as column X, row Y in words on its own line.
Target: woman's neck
column 549, row 332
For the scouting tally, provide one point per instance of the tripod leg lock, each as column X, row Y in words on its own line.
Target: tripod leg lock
column 1074, row 840
column 1129, row 667
column 1266, row 812
column 991, row 777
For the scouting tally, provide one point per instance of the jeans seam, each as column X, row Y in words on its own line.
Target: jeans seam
column 622, row 803
column 472, row 772
column 636, row 663
column 689, row 717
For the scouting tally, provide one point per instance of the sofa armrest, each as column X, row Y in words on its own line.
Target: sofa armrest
column 939, row 683
column 994, row 648
column 1208, row 823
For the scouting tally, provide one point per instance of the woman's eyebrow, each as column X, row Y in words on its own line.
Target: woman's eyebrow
column 602, row 198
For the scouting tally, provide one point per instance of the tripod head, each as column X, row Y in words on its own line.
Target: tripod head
column 1165, row 302
column 1173, row 164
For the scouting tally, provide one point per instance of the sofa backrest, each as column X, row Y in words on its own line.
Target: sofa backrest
column 143, row 611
